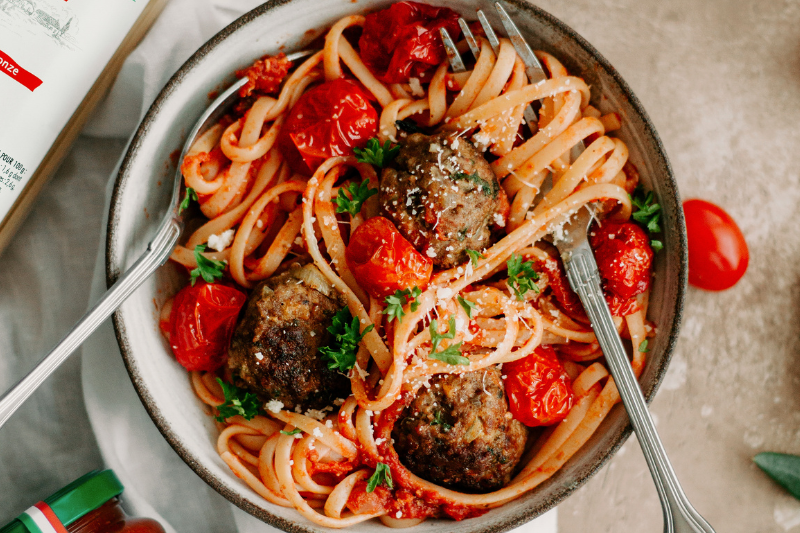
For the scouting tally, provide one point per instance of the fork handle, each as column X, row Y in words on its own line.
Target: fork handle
column 158, row 251
column 679, row 515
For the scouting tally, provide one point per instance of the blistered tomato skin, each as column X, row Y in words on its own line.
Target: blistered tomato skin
column 402, row 41
column 201, row 323
column 327, row 121
column 538, row 388
column 383, row 261
column 718, row 254
column 624, row 257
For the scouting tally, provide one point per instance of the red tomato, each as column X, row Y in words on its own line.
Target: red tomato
column 383, row 261
column 329, row 120
column 625, row 260
column 539, row 389
column 202, row 321
column 402, row 41
column 718, row 254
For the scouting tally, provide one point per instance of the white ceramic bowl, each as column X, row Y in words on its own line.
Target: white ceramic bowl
column 143, row 187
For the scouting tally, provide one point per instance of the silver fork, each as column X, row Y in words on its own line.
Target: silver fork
column 581, row 267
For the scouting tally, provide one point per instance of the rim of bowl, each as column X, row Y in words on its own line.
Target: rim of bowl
column 113, row 272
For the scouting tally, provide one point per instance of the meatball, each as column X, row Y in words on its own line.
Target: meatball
column 459, row 432
column 443, row 196
column 274, row 348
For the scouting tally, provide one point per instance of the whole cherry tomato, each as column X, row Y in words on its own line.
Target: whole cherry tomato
column 383, row 261
column 718, row 254
column 402, row 41
column 329, row 120
column 202, row 320
column 624, row 257
column 539, row 389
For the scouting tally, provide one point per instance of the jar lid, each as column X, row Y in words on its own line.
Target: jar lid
column 77, row 499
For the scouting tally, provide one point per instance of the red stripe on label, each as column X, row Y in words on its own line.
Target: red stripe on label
column 51, row 517
column 10, row 68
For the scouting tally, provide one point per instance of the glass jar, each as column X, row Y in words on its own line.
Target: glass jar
column 90, row 504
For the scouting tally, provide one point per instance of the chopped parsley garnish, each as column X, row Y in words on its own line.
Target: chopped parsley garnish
column 408, row 126
column 341, row 354
column 190, row 195
column 237, row 402
column 358, row 195
column 648, row 214
column 474, row 255
column 467, row 305
column 489, row 189
column 375, row 154
column 521, row 276
column 209, row 269
column 643, row 347
column 396, row 301
column 450, row 355
column 439, row 421
column 295, row 431
column 382, row 475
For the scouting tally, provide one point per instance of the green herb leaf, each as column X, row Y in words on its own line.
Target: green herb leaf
column 647, row 213
column 408, row 126
column 395, row 303
column 467, row 305
column 382, row 475
column 521, row 276
column 190, row 195
column 452, row 354
column 643, row 347
column 439, row 421
column 375, row 154
column 237, row 402
column 209, row 269
column 358, row 195
column 783, row 468
column 295, row 431
column 489, row 189
column 341, row 354
column 474, row 255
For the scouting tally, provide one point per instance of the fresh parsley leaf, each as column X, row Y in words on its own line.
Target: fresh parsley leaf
column 467, row 305
column 358, row 195
column 439, row 421
column 783, row 468
column 295, row 431
column 647, row 213
column 395, row 302
column 450, row 355
column 237, row 402
column 209, row 269
column 408, row 126
column 521, row 276
column 190, row 195
column 474, row 255
column 375, row 154
column 382, row 475
column 341, row 354
column 643, row 347
column 489, row 189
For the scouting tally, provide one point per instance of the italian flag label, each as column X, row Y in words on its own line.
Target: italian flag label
column 40, row 518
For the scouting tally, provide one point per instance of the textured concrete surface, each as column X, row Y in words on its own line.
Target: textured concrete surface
column 721, row 81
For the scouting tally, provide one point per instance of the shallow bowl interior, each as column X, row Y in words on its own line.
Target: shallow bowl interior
column 142, row 193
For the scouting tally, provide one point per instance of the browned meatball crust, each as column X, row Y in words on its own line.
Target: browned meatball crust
column 459, row 433
column 274, row 349
column 442, row 195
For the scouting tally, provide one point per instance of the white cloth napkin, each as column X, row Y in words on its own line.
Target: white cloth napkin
column 157, row 482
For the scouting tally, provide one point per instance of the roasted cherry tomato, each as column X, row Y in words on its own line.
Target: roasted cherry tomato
column 624, row 257
column 328, row 120
column 539, row 389
column 202, row 320
column 383, row 261
column 402, row 41
column 718, row 254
